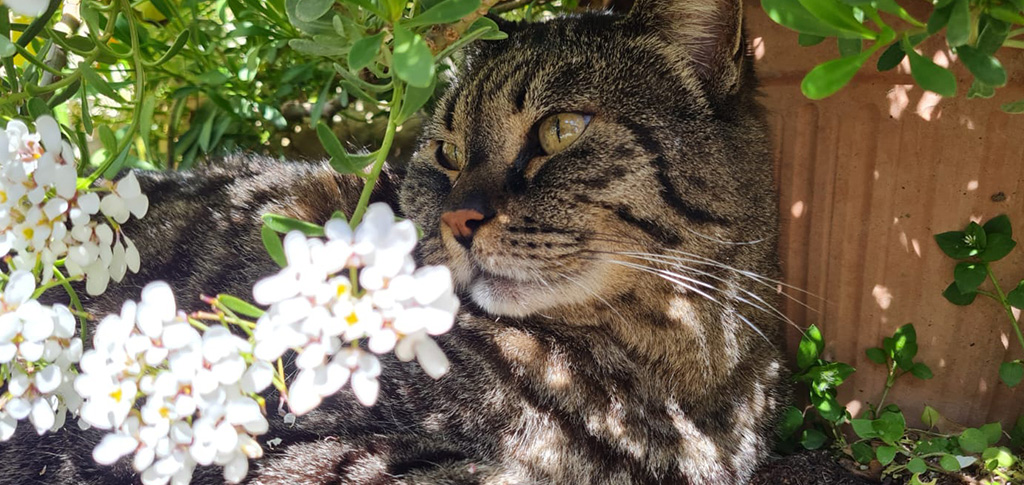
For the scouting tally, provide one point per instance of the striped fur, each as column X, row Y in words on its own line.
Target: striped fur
column 617, row 322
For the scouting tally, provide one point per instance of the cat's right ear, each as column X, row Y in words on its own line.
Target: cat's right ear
column 706, row 36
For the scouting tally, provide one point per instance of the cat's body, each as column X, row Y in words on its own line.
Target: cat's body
column 573, row 359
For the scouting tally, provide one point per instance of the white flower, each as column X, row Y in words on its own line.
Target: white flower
column 37, row 350
column 45, row 217
column 172, row 395
column 315, row 310
column 30, row 8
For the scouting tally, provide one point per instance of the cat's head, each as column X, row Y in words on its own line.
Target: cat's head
column 561, row 150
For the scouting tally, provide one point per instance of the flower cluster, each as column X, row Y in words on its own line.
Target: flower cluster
column 37, row 350
column 195, row 390
column 316, row 309
column 39, row 196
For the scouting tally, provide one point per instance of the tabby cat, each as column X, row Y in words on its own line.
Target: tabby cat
column 595, row 183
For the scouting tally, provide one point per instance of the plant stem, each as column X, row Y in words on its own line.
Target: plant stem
column 1006, row 306
column 382, row 154
column 890, row 379
column 1016, row 44
column 75, row 302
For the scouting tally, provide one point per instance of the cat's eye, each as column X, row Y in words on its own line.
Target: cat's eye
column 450, row 156
column 556, row 132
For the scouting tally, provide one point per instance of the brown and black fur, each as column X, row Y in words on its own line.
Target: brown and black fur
column 585, row 353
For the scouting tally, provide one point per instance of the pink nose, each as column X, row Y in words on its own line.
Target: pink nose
column 462, row 222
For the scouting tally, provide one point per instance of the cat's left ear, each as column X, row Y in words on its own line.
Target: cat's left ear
column 706, row 35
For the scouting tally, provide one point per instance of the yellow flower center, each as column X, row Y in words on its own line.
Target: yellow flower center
column 116, row 394
column 352, row 318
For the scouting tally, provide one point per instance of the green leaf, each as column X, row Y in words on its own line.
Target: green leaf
column 1000, row 457
column 1017, row 434
column 1011, row 373
column 830, row 76
column 364, row 51
column 311, row 10
column 284, row 225
column 791, row 421
column 921, row 371
column 445, row 12
column 969, row 276
column 807, row 40
column 958, row 30
column 905, row 346
column 981, row 90
column 985, row 68
column 811, row 345
column 997, row 247
column 972, row 440
column 849, row 47
column 1013, row 107
column 100, row 84
column 415, row 98
column 494, row 32
column 930, row 417
column 999, row 224
column 939, row 18
column 876, row 355
column 413, row 62
column 993, row 432
column 954, row 244
column 828, row 407
column 6, row 48
column 929, row 75
column 955, row 297
column 976, row 237
column 791, row 14
column 862, row 452
column 891, row 57
column 812, row 439
column 341, row 160
column 107, row 138
column 917, row 465
column 949, row 463
column 240, row 306
column 318, row 49
column 179, row 43
column 1016, row 296
column 1002, row 12
column 37, row 107
column 890, row 426
column 839, row 16
column 864, row 428
column 992, row 35
column 886, row 454
column 272, row 243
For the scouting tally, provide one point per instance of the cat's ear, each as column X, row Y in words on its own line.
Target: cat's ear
column 706, row 35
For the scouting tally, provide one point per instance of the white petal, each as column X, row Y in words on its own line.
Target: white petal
column 48, row 379
column 42, row 416
column 365, row 387
column 63, row 322
column 46, row 126
column 117, row 262
column 143, row 458
column 431, row 358
column 382, row 341
column 18, row 384
column 31, row 351
column 89, row 202
column 138, row 206
column 96, row 278
column 159, row 296
column 338, row 230
column 66, row 179
column 302, row 397
column 259, row 375
column 236, row 469
column 113, row 447
column 19, row 287
column 273, row 289
column 128, row 187
column 112, row 205
column 10, row 325
column 7, row 423
column 7, row 351
column 55, row 207
column 18, row 408
column 131, row 255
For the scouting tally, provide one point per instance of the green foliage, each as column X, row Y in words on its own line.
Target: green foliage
column 904, row 453
column 975, row 31
column 977, row 246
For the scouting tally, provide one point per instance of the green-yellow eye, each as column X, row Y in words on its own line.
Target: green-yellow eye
column 450, row 156
column 556, row 132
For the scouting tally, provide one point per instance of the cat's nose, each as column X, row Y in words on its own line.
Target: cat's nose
column 465, row 221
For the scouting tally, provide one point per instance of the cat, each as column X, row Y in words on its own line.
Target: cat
column 601, row 187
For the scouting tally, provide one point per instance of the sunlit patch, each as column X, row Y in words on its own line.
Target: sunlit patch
column 797, row 209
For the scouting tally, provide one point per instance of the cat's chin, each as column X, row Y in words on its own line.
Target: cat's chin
column 502, row 296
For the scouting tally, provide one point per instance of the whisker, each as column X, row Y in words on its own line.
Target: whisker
column 679, row 280
column 763, row 306
column 722, row 241
column 592, row 292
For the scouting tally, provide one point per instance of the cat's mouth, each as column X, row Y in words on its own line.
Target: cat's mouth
column 504, row 295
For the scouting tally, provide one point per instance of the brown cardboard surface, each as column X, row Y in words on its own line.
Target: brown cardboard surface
column 866, row 178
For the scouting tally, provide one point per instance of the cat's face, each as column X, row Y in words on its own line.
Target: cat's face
column 568, row 147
